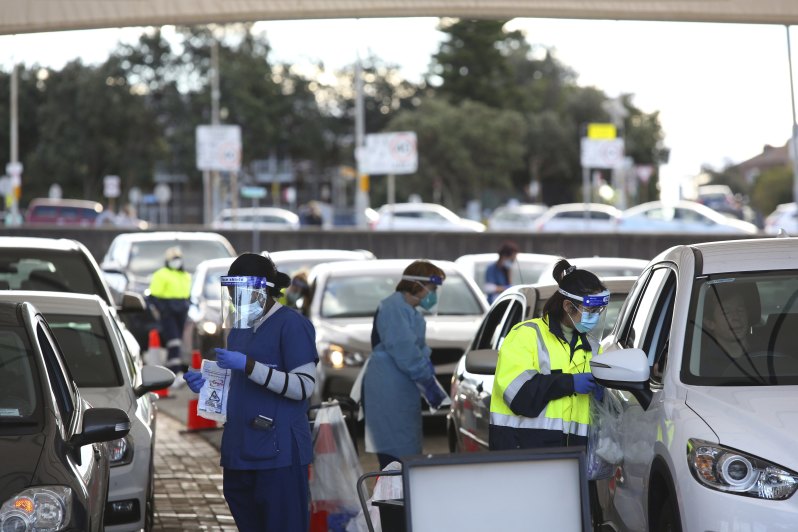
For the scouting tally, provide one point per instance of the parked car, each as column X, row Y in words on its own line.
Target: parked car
column 682, row 217
column 601, row 266
column 528, row 266
column 132, row 258
column 720, row 198
column 784, row 217
column 290, row 261
column 704, row 443
column 54, row 466
column 71, row 212
column 520, row 217
column 345, row 296
column 261, row 218
column 472, row 382
column 109, row 375
column 422, row 217
column 574, row 217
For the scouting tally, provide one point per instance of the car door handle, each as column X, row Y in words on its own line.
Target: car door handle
column 479, row 387
column 97, row 452
column 460, row 377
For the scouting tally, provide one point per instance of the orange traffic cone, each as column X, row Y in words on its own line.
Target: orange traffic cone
column 193, row 421
column 153, row 356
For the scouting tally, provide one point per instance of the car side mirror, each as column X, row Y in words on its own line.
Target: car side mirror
column 99, row 425
column 624, row 369
column 482, row 361
column 154, row 378
column 132, row 302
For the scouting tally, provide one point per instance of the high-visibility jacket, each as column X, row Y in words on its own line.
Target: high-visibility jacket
column 167, row 283
column 533, row 403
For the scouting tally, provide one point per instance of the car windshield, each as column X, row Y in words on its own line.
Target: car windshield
column 522, row 272
column 148, row 256
column 19, row 380
column 742, row 331
column 615, row 271
column 292, row 267
column 87, row 349
column 359, row 296
column 212, row 291
column 46, row 269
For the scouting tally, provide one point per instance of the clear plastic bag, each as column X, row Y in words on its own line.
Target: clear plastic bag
column 334, row 471
column 386, row 488
column 603, row 437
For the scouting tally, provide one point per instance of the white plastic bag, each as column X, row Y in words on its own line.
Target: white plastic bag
column 386, row 488
column 603, row 447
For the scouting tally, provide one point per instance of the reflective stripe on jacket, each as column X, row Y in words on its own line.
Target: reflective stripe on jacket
column 167, row 283
column 533, row 388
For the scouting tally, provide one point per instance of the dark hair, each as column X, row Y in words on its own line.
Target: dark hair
column 421, row 268
column 508, row 248
column 252, row 264
column 577, row 282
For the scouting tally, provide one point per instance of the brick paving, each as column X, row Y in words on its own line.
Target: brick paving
column 188, row 481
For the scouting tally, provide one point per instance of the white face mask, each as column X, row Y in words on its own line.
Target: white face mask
column 251, row 312
column 175, row 264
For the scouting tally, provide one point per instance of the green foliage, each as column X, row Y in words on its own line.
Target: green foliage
column 771, row 188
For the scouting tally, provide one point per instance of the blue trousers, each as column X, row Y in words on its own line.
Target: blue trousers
column 269, row 500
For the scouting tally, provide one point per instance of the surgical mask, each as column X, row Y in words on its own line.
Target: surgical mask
column 507, row 263
column 251, row 312
column 291, row 297
column 429, row 301
column 175, row 264
column 588, row 322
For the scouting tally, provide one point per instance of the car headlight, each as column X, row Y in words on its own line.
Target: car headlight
column 336, row 356
column 209, row 327
column 43, row 509
column 731, row 471
column 120, row 451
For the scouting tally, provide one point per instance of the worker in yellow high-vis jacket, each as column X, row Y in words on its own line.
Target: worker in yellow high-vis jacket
column 170, row 290
column 541, row 391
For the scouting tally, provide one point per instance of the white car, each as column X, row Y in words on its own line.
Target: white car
column 575, row 218
column 422, row 217
column 528, row 266
column 601, row 266
column 695, row 442
column 261, row 218
column 108, row 375
column 784, row 217
column 291, row 261
column 345, row 296
column 681, row 217
column 519, row 217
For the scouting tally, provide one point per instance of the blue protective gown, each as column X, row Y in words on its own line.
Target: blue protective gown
column 497, row 275
column 391, row 399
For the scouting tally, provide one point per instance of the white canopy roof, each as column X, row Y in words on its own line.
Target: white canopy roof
column 30, row 16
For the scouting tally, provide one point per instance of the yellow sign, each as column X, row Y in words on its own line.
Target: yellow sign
column 364, row 183
column 601, row 131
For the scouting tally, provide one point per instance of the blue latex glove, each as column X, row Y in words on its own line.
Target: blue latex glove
column 598, row 392
column 584, row 383
column 195, row 380
column 231, row 359
column 433, row 393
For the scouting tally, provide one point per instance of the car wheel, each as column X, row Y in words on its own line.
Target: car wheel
column 667, row 518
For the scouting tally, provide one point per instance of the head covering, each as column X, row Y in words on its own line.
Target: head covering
column 173, row 252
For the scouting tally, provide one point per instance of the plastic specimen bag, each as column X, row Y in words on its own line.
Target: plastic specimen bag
column 603, row 438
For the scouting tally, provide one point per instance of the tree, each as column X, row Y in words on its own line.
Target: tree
column 771, row 188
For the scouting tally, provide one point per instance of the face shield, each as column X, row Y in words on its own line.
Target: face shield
column 243, row 300
column 431, row 300
column 592, row 313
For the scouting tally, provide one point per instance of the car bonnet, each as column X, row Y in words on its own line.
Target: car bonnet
column 758, row 420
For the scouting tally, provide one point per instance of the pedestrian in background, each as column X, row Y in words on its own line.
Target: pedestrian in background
column 400, row 365
column 266, row 444
column 297, row 295
column 170, row 289
column 498, row 275
column 542, row 383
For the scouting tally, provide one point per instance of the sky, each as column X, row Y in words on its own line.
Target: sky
column 722, row 90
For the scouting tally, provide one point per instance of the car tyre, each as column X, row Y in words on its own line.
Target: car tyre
column 667, row 517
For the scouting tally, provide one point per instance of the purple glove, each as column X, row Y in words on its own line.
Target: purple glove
column 598, row 392
column 231, row 359
column 583, row 382
column 195, row 380
column 433, row 393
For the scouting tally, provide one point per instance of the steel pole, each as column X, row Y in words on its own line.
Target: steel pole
column 794, row 140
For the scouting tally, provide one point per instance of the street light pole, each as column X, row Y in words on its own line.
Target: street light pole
column 794, row 139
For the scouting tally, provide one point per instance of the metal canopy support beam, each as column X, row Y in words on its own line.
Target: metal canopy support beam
column 794, row 146
column 56, row 15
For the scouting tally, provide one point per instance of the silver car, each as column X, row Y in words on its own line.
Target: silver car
column 345, row 296
column 108, row 375
column 472, row 382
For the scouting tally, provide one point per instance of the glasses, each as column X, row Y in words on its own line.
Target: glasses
column 591, row 310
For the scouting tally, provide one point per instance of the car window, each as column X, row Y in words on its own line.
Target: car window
column 87, row 348
column 514, row 314
column 58, row 375
column 645, row 313
column 487, row 331
column 20, row 398
column 212, row 291
column 359, row 296
column 127, row 357
column 148, row 256
column 51, row 270
column 742, row 330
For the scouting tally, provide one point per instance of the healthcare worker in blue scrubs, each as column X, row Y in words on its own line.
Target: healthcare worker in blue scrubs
column 266, row 444
column 399, row 368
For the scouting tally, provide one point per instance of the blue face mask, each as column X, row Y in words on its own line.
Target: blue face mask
column 588, row 322
column 429, row 301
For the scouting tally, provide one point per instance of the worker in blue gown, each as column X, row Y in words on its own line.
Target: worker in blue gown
column 399, row 370
column 266, row 444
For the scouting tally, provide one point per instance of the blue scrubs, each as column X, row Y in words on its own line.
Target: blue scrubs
column 266, row 471
column 496, row 274
column 391, row 399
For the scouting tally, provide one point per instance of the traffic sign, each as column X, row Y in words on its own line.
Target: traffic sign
column 388, row 153
column 162, row 193
column 599, row 153
column 253, row 192
column 111, row 186
column 219, row 148
column 14, row 169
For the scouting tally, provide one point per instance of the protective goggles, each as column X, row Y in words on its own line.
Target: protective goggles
column 434, row 279
column 592, row 303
